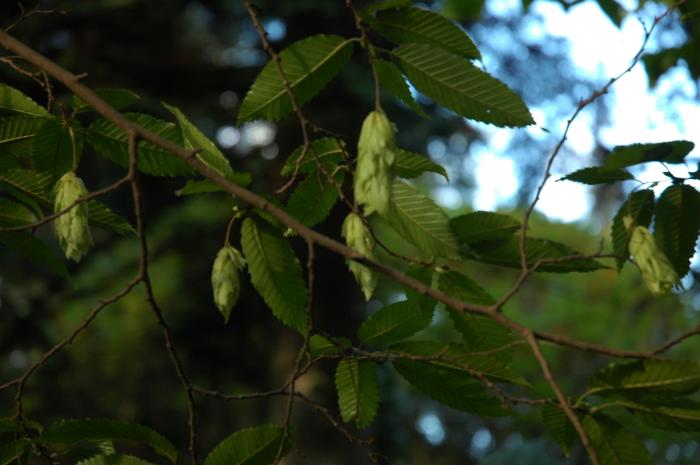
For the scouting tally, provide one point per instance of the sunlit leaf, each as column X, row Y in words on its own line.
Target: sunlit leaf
column 391, row 79
column 411, row 165
column 639, row 207
column 251, row 446
column 14, row 100
column 677, row 224
column 357, row 383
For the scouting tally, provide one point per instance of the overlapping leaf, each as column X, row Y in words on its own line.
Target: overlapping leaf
column 116, row 98
column 483, row 226
column 639, row 207
column 308, row 66
column 114, row 459
column 275, row 272
column 614, row 445
column 35, row 250
column 56, row 146
column 667, row 152
column 16, row 134
column 665, row 413
column 357, row 383
column 392, row 79
column 394, row 322
column 101, row 216
column 14, row 100
column 677, row 224
column 314, row 198
column 14, row 214
column 460, row 86
column 559, row 426
column 327, row 151
column 411, row 165
column 648, row 377
column 11, row 448
column 598, row 175
column 251, row 446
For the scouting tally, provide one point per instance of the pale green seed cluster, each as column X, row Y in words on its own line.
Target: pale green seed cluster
column 225, row 281
column 656, row 269
column 72, row 229
column 376, row 151
column 358, row 238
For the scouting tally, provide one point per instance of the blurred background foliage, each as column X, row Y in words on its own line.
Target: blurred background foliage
column 202, row 56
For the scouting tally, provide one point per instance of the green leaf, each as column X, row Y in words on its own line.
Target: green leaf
column 101, row 216
column 11, row 448
column 14, row 214
column 506, row 253
column 74, row 431
column 639, row 206
column 320, row 346
column 205, row 186
column 55, row 145
column 394, row 322
column 598, row 175
column 314, row 198
column 28, row 184
column 411, row 165
column 357, row 384
column 372, row 8
column 612, row 10
column 559, row 427
column 677, row 224
column 114, row 459
column 308, row 65
column 328, row 151
column 16, row 134
column 392, row 79
column 614, row 445
column 667, row 152
column 258, row 445
column 116, row 98
column 110, row 141
column 34, row 249
column 14, row 100
column 417, row 25
column 484, row 226
column 420, row 221
column 665, row 413
column 275, row 272
column 460, row 86
column 209, row 153
column 647, row 377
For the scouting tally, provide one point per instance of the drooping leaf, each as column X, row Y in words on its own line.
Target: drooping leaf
column 506, row 253
column 357, row 383
column 275, row 272
column 559, row 427
column 320, row 345
column 419, row 220
column 423, row 274
column 116, row 98
column 647, row 377
column 14, row 214
column 251, row 446
column 391, row 79
column 110, row 141
column 612, row 10
column 460, row 86
column 667, row 152
column 666, row 413
column 677, row 224
column 483, row 226
column 411, row 165
column 75, row 431
column 418, row 25
column 639, row 206
column 308, row 66
column 101, row 216
column 34, row 249
column 314, row 198
column 394, row 322
column 598, row 175
column 114, row 459
column 28, row 184
column 205, row 186
column 11, row 448
column 614, row 445
column 55, row 147
column 16, row 134
column 13, row 100
column 328, row 151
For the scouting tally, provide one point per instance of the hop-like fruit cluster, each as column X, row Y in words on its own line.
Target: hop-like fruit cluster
column 376, row 151
column 656, row 269
column 224, row 279
column 358, row 238
column 72, row 229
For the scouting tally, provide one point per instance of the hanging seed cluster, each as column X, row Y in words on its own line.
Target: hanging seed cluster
column 358, row 238
column 656, row 269
column 72, row 229
column 225, row 281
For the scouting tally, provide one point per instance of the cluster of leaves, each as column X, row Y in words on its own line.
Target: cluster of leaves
column 471, row 375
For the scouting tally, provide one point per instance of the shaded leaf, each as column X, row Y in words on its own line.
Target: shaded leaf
column 677, row 224
column 34, row 249
column 372, row 8
column 667, row 152
column 647, row 377
column 598, row 175
column 483, row 226
column 394, row 322
column 357, row 384
column 612, row 10
column 314, row 198
column 665, row 413
column 614, row 445
column 14, row 214
column 328, row 151
column 11, row 448
column 460, row 86
column 308, row 65
column 101, row 216
column 250, row 446
column 114, row 459
column 14, row 100
column 56, row 145
column 116, row 98
column 275, row 272
column 320, row 345
column 392, row 79
column 16, row 134
column 411, row 165
column 639, row 206
column 559, row 427
column 28, row 184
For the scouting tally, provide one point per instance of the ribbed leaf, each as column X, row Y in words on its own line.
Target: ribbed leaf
column 614, row 445
column 411, row 165
column 639, row 206
column 117, row 98
column 647, row 377
column 372, row 8
column 27, row 183
column 319, row 345
column 35, row 250
column 112, row 142
column 275, row 272
column 205, row 186
column 506, row 253
column 251, row 446
column 392, row 79
column 55, row 145
column 483, row 226
column 394, row 322
column 14, row 100
column 308, row 65
column 16, row 133
column 665, row 413
column 667, row 152
column 14, row 214
column 357, row 384
column 74, row 431
column 328, row 151
column 559, row 427
column 598, row 175
column 417, row 25
column 460, row 86
column 420, row 221
column 677, row 224
column 114, row 459
column 101, row 216
column 314, row 198
column 11, row 447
